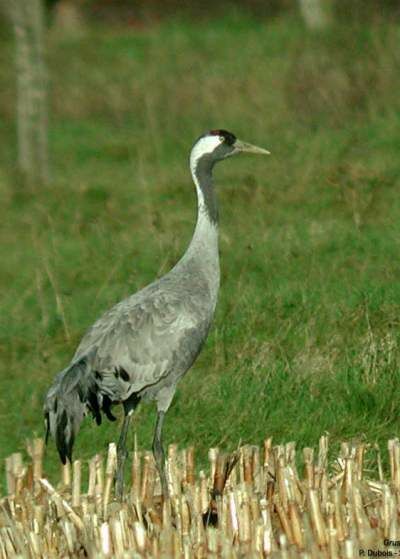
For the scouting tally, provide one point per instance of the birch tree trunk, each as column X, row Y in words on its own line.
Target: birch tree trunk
column 32, row 116
column 317, row 14
column 68, row 19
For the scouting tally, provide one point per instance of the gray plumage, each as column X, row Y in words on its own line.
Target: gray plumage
column 142, row 346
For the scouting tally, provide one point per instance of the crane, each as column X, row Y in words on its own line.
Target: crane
column 141, row 347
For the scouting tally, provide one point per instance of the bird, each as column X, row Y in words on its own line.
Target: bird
column 140, row 348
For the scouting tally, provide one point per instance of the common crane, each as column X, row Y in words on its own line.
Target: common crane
column 141, row 347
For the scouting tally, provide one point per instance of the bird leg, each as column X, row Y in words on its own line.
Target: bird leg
column 122, row 454
column 159, row 455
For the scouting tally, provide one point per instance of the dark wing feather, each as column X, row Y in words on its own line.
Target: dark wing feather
column 66, row 404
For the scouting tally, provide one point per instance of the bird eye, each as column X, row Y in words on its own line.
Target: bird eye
column 222, row 139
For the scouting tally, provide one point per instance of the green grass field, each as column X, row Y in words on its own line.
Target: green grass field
column 306, row 334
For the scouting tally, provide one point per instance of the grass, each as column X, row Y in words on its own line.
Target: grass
column 306, row 334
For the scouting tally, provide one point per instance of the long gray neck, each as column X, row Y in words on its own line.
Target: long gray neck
column 202, row 176
column 202, row 253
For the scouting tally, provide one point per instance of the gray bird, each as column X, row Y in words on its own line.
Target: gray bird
column 141, row 347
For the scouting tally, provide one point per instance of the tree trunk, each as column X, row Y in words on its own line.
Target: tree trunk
column 32, row 116
column 68, row 19
column 317, row 14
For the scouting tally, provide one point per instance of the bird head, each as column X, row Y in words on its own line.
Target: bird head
column 216, row 145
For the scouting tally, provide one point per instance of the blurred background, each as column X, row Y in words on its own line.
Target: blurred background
column 101, row 101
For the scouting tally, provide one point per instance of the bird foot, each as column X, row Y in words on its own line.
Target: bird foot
column 210, row 518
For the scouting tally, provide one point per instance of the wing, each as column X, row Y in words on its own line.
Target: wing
column 142, row 338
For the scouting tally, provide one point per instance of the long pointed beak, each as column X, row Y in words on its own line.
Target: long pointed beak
column 249, row 148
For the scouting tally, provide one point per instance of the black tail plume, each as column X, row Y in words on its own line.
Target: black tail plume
column 65, row 406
